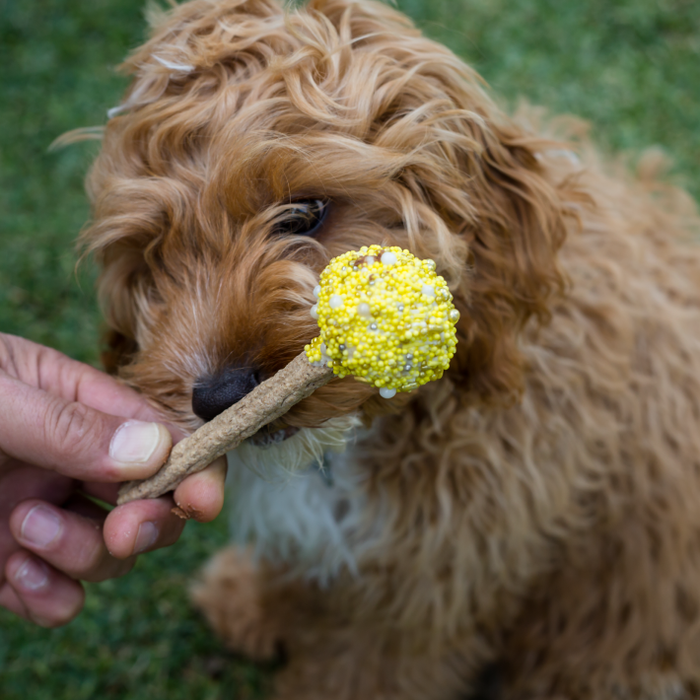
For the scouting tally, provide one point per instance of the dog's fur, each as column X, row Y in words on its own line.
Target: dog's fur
column 538, row 507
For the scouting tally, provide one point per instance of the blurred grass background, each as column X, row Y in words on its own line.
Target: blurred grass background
column 630, row 67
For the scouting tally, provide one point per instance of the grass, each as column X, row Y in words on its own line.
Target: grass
column 137, row 638
column 631, row 67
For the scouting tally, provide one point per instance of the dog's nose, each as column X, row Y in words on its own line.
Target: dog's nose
column 213, row 395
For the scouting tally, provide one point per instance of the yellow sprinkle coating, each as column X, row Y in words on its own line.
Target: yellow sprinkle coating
column 385, row 317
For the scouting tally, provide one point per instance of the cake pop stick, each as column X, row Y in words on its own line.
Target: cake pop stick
column 385, row 318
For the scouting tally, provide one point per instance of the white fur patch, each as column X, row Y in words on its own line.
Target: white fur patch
column 300, row 502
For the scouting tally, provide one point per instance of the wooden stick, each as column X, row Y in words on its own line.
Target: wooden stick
column 268, row 401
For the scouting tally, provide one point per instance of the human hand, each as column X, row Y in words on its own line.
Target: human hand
column 63, row 435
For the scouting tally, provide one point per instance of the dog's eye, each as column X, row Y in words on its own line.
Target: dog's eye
column 303, row 218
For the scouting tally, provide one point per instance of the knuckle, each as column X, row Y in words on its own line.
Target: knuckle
column 95, row 564
column 90, row 562
column 69, row 426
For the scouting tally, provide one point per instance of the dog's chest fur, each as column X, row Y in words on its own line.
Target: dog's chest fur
column 301, row 503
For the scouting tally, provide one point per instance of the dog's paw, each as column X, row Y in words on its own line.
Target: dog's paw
column 228, row 593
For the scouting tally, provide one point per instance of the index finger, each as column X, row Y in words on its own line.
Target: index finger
column 45, row 430
column 48, row 369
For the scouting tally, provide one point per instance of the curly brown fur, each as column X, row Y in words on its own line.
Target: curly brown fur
column 538, row 505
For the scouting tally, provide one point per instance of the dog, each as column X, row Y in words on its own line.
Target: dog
column 532, row 517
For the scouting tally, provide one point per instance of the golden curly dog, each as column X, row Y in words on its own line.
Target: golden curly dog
column 537, row 510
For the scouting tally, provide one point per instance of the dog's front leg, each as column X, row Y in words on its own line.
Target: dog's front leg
column 230, row 594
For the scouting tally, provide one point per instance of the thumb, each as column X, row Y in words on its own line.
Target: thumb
column 80, row 442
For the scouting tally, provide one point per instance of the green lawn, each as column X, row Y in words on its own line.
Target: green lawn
column 631, row 67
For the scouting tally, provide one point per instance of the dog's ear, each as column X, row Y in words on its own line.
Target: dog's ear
column 125, row 289
column 118, row 351
column 121, row 289
column 507, row 220
column 516, row 223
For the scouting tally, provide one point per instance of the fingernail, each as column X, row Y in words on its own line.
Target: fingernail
column 134, row 442
column 41, row 526
column 32, row 575
column 146, row 537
